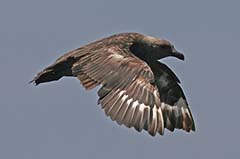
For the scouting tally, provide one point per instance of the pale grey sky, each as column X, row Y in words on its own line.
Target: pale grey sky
column 61, row 120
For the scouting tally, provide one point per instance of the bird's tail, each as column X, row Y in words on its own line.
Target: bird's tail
column 55, row 71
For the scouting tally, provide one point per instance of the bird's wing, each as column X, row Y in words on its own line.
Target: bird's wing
column 128, row 94
column 176, row 112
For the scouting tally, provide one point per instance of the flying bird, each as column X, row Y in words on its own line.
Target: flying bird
column 136, row 89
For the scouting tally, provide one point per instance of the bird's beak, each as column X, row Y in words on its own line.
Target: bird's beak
column 178, row 55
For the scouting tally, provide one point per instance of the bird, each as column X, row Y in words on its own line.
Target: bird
column 136, row 89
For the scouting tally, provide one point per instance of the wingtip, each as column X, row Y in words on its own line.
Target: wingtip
column 193, row 127
column 33, row 81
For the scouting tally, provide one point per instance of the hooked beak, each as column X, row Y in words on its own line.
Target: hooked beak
column 178, row 55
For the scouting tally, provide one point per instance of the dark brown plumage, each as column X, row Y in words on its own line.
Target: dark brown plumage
column 137, row 90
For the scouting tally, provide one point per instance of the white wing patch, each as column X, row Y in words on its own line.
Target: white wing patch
column 124, row 97
column 132, row 113
column 142, row 107
column 129, row 101
column 121, row 93
column 135, row 104
column 124, row 107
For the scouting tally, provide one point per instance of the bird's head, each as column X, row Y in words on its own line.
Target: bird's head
column 160, row 48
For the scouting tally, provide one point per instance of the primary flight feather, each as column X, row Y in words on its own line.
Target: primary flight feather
column 136, row 89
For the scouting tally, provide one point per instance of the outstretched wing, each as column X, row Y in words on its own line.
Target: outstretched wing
column 128, row 94
column 176, row 112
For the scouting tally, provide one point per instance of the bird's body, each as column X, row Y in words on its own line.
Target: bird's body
column 137, row 90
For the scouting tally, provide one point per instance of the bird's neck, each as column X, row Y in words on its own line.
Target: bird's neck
column 142, row 53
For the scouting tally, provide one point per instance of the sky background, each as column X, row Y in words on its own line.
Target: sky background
column 61, row 120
